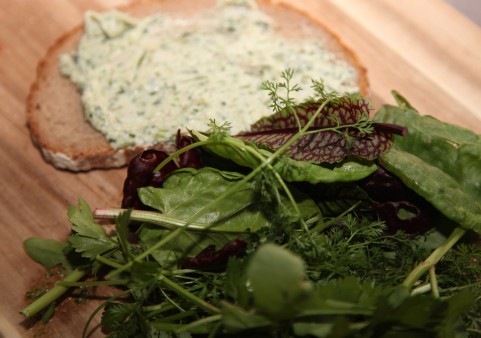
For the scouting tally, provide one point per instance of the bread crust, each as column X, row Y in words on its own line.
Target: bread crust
column 54, row 111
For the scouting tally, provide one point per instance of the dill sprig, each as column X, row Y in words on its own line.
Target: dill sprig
column 357, row 245
column 280, row 93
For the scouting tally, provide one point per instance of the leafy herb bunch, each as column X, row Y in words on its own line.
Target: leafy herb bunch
column 288, row 261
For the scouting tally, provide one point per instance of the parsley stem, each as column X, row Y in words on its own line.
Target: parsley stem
column 53, row 294
column 434, row 258
column 177, row 316
column 158, row 308
column 188, row 295
column 434, row 282
column 421, row 289
column 200, row 322
column 170, row 327
column 108, row 262
column 93, row 283
column 156, row 218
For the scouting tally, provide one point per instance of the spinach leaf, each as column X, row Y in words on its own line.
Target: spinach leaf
column 411, row 118
column 299, row 171
column 188, row 191
column 247, row 154
column 453, row 149
column 436, row 186
column 185, row 194
column 439, row 161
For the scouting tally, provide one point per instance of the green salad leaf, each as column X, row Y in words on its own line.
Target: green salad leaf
column 185, row 195
column 186, row 192
column 247, row 154
column 439, row 161
column 278, row 300
column 437, row 187
column 47, row 252
column 89, row 238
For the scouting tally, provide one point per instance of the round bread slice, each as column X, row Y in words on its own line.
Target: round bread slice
column 55, row 114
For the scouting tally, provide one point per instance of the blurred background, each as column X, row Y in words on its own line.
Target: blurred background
column 470, row 8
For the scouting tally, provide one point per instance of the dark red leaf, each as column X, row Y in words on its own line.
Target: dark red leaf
column 140, row 174
column 345, row 110
column 322, row 144
column 211, row 260
column 390, row 196
column 191, row 158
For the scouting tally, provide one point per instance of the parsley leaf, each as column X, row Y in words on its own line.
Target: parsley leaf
column 89, row 238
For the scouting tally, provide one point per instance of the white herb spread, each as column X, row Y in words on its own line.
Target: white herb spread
column 142, row 79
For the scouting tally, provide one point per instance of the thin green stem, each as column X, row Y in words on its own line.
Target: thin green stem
column 188, row 295
column 93, row 283
column 156, row 218
column 283, row 186
column 146, row 253
column 421, row 289
column 178, row 153
column 177, row 316
column 53, row 294
column 325, row 225
column 434, row 282
column 171, row 301
column 97, row 310
column 434, row 258
column 215, row 329
column 170, row 327
column 199, row 323
column 158, row 308
column 340, row 129
column 108, row 262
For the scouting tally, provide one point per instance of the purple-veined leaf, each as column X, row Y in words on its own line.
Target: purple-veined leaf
column 346, row 110
column 340, row 130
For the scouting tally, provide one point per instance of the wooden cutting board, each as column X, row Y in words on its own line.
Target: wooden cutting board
column 424, row 49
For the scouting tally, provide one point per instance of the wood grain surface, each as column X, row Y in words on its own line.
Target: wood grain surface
column 424, row 49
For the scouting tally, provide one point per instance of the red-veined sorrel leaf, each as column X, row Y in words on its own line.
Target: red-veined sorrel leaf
column 346, row 110
column 340, row 130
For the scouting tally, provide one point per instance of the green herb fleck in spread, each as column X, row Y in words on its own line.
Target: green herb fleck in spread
column 175, row 72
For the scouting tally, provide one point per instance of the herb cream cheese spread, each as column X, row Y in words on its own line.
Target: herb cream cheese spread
column 142, row 79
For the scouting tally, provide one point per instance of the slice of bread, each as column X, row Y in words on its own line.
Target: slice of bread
column 55, row 113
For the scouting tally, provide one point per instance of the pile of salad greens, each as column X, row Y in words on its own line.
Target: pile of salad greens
column 294, row 229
